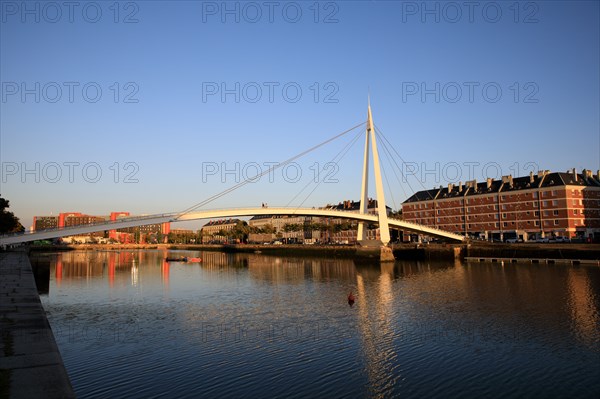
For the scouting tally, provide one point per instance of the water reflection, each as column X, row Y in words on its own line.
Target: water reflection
column 584, row 307
column 416, row 328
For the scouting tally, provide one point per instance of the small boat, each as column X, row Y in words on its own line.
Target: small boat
column 180, row 259
column 184, row 259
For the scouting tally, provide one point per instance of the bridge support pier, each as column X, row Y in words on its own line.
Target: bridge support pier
column 373, row 249
column 386, row 254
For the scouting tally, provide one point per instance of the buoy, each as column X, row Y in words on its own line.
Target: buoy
column 351, row 298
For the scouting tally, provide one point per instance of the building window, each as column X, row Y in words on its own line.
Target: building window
column 495, row 207
column 546, row 213
column 505, row 224
column 497, row 224
column 438, row 211
column 575, row 211
column 529, row 222
column 555, row 213
column 534, row 195
column 545, row 203
column 556, row 222
column 535, row 204
column 554, row 193
column 544, row 193
column 536, row 213
column 555, row 202
column 574, row 202
column 536, row 222
column 503, row 207
column 502, row 197
column 504, row 216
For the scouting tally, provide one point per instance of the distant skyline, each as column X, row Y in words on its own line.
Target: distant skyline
column 153, row 106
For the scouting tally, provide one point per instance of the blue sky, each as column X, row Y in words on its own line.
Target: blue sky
column 500, row 88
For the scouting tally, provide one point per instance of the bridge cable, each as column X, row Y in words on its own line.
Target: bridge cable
column 388, row 185
column 444, row 211
column 389, row 158
column 338, row 157
column 259, row 175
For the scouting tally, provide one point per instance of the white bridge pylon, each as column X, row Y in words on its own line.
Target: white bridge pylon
column 223, row 213
column 382, row 217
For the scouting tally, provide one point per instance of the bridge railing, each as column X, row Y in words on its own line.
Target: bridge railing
column 99, row 223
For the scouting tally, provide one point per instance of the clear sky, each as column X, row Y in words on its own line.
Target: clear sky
column 153, row 106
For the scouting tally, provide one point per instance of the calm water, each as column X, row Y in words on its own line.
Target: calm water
column 245, row 325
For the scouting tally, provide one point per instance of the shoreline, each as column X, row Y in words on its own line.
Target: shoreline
column 411, row 251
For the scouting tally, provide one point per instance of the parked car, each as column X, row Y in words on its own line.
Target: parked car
column 562, row 239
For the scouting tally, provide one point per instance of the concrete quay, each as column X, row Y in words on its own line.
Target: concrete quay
column 30, row 362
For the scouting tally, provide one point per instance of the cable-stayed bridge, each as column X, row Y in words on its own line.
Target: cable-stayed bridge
column 380, row 217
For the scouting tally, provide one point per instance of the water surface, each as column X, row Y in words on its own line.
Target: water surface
column 129, row 324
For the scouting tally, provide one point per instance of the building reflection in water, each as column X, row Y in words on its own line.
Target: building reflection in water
column 583, row 306
column 298, row 270
column 119, row 268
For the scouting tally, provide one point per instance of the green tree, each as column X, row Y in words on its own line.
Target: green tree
column 9, row 223
column 241, row 231
column 268, row 229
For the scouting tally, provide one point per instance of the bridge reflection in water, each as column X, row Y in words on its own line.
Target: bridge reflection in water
column 416, row 329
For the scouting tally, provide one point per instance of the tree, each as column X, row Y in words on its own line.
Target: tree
column 241, row 231
column 9, row 223
column 268, row 229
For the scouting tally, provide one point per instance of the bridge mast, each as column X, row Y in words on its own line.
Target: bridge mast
column 384, row 228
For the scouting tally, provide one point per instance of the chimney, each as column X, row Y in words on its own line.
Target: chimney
column 574, row 174
column 531, row 177
column 460, row 186
column 450, row 187
column 598, row 175
column 489, row 182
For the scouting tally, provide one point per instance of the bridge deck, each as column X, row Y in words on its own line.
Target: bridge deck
column 222, row 213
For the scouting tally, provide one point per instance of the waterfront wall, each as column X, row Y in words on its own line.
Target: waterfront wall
column 30, row 363
column 400, row 251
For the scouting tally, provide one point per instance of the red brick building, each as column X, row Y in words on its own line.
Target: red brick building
column 530, row 207
column 127, row 235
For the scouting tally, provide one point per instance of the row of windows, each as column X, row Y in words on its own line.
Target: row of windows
column 555, row 222
column 534, row 195
column 555, row 212
column 533, row 204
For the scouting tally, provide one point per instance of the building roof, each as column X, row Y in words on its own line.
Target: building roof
column 508, row 184
column 221, row 222
column 350, row 205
